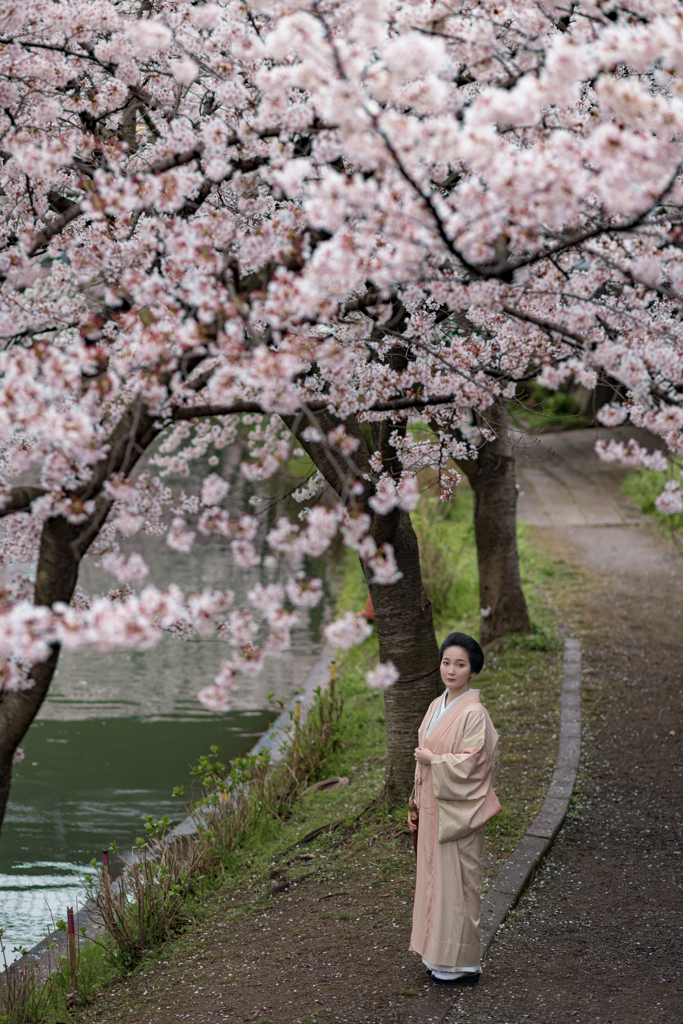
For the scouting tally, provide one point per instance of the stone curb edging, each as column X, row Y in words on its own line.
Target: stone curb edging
column 540, row 835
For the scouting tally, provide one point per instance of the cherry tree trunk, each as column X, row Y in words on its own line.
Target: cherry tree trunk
column 492, row 478
column 62, row 548
column 403, row 612
column 405, row 630
column 56, row 576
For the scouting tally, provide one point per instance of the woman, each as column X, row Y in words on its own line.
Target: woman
column 452, row 800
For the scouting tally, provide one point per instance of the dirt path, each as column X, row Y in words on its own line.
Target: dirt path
column 599, row 935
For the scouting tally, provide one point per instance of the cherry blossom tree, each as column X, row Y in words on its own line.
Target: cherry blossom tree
column 298, row 217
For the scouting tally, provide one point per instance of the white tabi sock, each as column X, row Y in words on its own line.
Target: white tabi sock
column 450, row 973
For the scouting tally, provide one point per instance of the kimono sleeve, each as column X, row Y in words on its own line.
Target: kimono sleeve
column 461, row 775
column 462, row 780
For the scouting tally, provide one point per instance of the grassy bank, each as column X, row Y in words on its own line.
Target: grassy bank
column 268, row 933
column 522, row 676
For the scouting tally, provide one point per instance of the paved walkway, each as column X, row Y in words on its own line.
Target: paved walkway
column 563, row 483
column 599, row 935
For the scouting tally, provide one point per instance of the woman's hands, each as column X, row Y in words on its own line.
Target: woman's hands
column 412, row 825
column 423, row 755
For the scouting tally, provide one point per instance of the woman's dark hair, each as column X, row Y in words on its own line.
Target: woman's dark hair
column 469, row 644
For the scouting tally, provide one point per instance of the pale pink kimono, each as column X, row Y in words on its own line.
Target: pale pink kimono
column 455, row 798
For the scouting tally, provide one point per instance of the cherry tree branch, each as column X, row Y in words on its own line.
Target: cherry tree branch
column 505, row 268
column 237, row 408
column 57, row 225
column 547, row 325
column 54, row 227
column 21, row 499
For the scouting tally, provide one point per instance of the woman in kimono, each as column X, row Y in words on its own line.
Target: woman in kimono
column 452, row 800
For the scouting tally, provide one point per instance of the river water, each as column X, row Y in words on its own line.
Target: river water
column 118, row 731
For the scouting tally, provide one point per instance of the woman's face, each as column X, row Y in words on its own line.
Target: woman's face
column 455, row 668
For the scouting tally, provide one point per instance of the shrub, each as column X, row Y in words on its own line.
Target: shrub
column 236, row 795
column 145, row 905
column 33, row 992
column 24, row 995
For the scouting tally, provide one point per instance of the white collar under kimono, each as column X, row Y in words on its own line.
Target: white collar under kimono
column 441, row 709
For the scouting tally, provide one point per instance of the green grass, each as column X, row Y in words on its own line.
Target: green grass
column 643, row 486
column 50, row 1007
column 520, row 684
column 538, row 408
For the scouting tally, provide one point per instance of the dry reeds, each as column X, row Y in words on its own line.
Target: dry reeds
column 24, row 995
column 144, row 906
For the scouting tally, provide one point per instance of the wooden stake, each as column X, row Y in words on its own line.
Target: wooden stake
column 105, row 872
column 297, row 716
column 73, row 959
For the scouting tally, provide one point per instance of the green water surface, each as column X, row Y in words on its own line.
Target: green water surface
column 85, row 783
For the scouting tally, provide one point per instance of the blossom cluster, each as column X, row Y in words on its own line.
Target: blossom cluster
column 27, row 631
column 312, row 220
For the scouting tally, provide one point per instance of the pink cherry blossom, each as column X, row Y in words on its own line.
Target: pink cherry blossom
column 383, row 677
column 305, row 593
column 630, row 454
column 342, row 222
column 248, row 659
column 184, row 71
column 385, row 497
column 178, row 537
column 385, row 571
column 132, row 569
column 214, row 698
column 214, row 489
column 347, row 631
column 612, row 415
column 670, row 501
column 408, row 492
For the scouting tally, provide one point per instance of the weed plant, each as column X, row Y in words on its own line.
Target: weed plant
column 306, row 753
column 148, row 903
column 43, row 992
column 145, row 906
column 231, row 801
column 236, row 797
column 25, row 997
